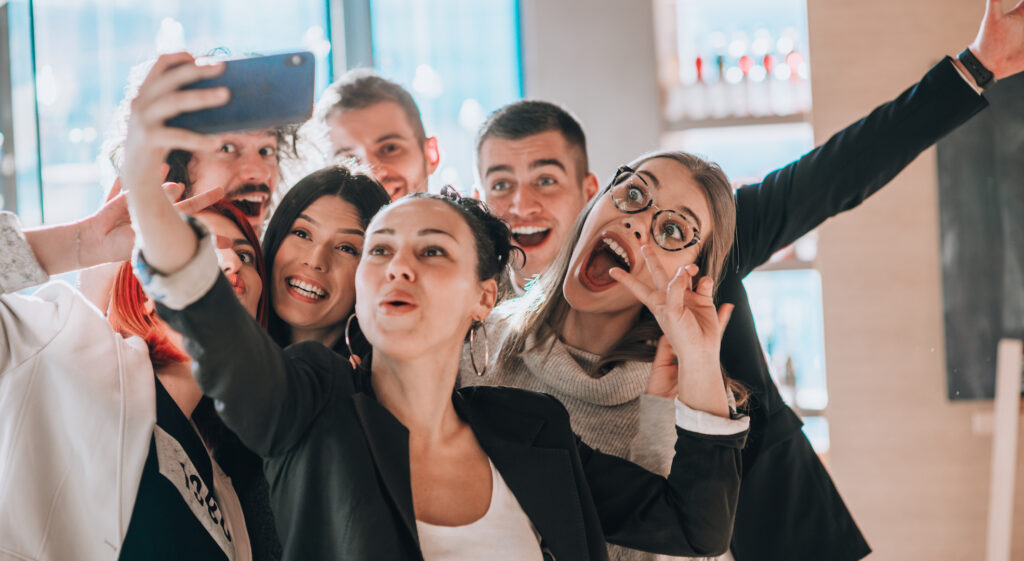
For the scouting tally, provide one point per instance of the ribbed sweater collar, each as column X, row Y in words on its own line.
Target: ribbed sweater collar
column 553, row 363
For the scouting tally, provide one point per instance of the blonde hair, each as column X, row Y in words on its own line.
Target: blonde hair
column 541, row 312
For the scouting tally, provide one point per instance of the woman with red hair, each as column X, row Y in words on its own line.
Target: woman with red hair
column 108, row 449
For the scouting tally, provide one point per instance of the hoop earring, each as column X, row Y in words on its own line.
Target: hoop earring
column 487, row 349
column 353, row 358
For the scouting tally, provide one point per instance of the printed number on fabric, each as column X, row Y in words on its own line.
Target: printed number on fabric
column 200, row 497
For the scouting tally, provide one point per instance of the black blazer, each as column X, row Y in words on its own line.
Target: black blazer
column 789, row 509
column 338, row 462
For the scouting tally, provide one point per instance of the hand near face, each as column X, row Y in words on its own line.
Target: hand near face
column 693, row 330
column 149, row 140
column 107, row 235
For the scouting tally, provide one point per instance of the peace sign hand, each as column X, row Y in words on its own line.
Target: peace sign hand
column 693, row 330
column 107, row 235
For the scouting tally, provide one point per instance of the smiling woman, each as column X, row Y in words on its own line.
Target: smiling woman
column 312, row 246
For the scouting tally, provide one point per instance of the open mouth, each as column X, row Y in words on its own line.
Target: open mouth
column 250, row 204
column 397, row 303
column 530, row 236
column 608, row 253
column 305, row 290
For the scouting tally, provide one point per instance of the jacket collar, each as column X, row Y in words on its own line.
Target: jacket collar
column 541, row 478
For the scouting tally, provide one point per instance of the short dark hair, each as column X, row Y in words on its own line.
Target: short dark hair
column 528, row 117
column 362, row 87
column 352, row 185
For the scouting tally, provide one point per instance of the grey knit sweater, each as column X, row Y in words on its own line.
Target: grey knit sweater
column 611, row 413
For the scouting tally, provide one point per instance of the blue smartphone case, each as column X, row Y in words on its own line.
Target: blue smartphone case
column 266, row 92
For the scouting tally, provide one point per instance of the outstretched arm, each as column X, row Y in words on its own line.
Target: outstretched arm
column 265, row 395
column 862, row 158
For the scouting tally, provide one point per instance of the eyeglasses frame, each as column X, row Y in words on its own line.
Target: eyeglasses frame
column 650, row 203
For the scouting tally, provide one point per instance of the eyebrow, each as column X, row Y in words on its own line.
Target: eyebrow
column 652, row 177
column 689, row 212
column 683, row 209
column 547, row 162
column 423, row 232
column 353, row 231
column 389, row 136
column 533, row 165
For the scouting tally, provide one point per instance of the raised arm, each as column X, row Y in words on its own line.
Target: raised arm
column 169, row 242
column 266, row 396
column 862, row 158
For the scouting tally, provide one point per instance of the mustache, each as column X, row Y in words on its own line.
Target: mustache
column 249, row 188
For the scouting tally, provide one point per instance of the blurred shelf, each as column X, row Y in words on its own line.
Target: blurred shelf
column 686, row 124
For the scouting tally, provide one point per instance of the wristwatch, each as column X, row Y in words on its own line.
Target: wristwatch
column 982, row 76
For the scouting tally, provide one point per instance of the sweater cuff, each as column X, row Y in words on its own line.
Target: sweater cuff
column 703, row 422
column 19, row 267
column 188, row 284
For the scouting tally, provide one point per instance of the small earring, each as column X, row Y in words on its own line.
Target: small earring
column 353, row 358
column 487, row 348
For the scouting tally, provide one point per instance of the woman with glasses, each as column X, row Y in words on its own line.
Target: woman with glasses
column 589, row 328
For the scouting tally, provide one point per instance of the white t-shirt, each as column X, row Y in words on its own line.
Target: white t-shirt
column 503, row 533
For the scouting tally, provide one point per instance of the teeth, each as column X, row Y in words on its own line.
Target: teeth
column 256, row 199
column 308, row 288
column 527, row 230
column 617, row 249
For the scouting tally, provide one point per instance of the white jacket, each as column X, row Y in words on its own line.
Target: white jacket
column 77, row 413
column 77, row 410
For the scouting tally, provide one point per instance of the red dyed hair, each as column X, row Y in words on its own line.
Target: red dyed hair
column 131, row 313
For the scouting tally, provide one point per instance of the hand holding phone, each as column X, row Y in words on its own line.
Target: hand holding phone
column 266, row 92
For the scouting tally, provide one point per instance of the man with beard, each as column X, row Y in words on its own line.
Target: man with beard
column 376, row 122
column 531, row 158
column 246, row 164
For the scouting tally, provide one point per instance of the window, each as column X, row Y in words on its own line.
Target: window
column 82, row 52
column 736, row 89
column 460, row 60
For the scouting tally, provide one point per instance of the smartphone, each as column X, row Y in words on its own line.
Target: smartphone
column 266, row 92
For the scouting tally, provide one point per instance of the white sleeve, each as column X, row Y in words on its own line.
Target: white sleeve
column 19, row 267
column 705, row 423
column 188, row 284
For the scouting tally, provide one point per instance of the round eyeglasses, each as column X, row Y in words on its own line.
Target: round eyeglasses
column 669, row 229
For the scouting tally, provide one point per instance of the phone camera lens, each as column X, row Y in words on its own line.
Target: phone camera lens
column 296, row 60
